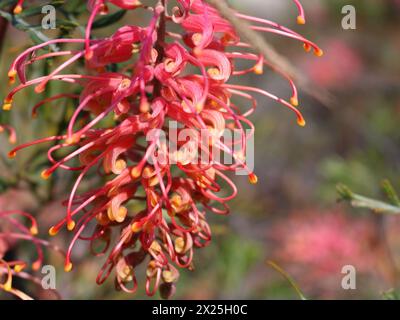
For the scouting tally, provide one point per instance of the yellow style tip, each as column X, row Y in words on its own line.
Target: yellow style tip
column 136, row 172
column 12, row 154
column 301, row 122
column 34, row 230
column 144, row 107
column 36, row 265
column 89, row 54
column 71, row 225
column 40, row 88
column 12, row 73
column 318, row 52
column 199, row 107
column 17, row 9
column 253, row 179
column 11, row 76
column 136, row 227
column 7, row 286
column 197, row 51
column 72, row 139
column 53, row 231
column 307, row 47
column 68, row 267
column 45, row 174
column 7, row 106
column 294, row 101
column 301, row 20
column 259, row 68
column 19, row 267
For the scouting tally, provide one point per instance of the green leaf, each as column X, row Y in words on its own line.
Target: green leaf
column 344, row 192
column 390, row 192
column 66, row 24
column 29, row 12
column 360, row 201
column 109, row 19
column 390, row 295
column 288, row 278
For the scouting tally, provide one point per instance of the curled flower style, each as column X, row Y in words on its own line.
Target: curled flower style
column 152, row 208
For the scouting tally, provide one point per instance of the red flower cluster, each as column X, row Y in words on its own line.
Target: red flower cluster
column 157, row 208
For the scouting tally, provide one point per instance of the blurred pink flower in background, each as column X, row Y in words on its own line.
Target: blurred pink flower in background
column 325, row 242
column 313, row 246
column 340, row 66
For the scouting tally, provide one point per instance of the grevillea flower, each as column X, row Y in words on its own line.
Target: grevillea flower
column 157, row 207
column 12, row 230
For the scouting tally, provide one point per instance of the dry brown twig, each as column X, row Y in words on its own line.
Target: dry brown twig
column 275, row 59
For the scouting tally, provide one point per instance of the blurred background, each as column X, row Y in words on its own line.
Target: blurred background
column 292, row 215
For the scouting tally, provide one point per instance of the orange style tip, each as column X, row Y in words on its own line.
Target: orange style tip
column 7, row 106
column 307, row 47
column 40, row 88
column 71, row 225
column 72, row 140
column 69, row 140
column 135, row 227
column 199, row 107
column 12, row 73
column 17, row 9
column 45, row 174
column 258, row 70
column 197, row 51
column 34, row 230
column 7, row 287
column 12, row 154
column 294, row 101
column 104, row 9
column 301, row 122
column 136, row 173
column 53, row 231
column 144, row 107
column 11, row 76
column 68, row 267
column 318, row 52
column 19, row 267
column 89, row 54
column 253, row 179
column 301, row 20
column 36, row 265
column 259, row 67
